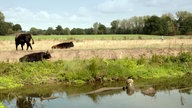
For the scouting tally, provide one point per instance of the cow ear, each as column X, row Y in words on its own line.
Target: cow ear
column 47, row 52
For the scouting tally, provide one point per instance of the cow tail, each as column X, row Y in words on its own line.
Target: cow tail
column 32, row 41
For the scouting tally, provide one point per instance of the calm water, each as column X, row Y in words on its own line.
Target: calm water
column 112, row 99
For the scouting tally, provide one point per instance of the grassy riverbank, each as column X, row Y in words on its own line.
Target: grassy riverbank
column 92, row 70
column 1, row 105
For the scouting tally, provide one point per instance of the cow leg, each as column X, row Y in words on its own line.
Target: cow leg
column 22, row 47
column 29, row 45
column 16, row 46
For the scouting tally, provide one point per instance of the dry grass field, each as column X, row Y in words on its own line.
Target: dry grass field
column 107, row 49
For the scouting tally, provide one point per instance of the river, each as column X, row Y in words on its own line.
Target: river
column 67, row 97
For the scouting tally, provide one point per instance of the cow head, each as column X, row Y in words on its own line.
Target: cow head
column 54, row 47
column 71, row 44
column 47, row 55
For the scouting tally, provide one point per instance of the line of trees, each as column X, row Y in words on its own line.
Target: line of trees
column 8, row 27
column 166, row 24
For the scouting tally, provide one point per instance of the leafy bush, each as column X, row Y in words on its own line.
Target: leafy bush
column 158, row 59
column 185, row 57
column 142, row 60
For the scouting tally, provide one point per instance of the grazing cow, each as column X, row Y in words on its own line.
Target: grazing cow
column 33, row 57
column 63, row 45
column 22, row 39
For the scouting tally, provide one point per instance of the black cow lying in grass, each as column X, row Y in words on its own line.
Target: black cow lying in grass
column 33, row 57
column 63, row 45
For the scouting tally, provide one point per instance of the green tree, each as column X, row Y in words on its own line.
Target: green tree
column 35, row 31
column 2, row 17
column 89, row 31
column 136, row 24
column 17, row 27
column 101, row 29
column 183, row 22
column 125, row 27
column 5, row 28
column 133, row 25
column 77, row 31
column 168, row 24
column 95, row 27
column 66, row 31
column 181, row 15
column 59, row 30
column 186, row 26
column 49, row 31
column 114, row 26
column 153, row 26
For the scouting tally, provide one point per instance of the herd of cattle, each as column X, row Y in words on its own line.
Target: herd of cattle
column 25, row 38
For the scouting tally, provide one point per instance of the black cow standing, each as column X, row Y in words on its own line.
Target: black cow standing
column 63, row 45
column 34, row 57
column 22, row 39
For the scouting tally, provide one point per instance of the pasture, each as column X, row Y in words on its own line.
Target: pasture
column 102, row 46
column 91, row 58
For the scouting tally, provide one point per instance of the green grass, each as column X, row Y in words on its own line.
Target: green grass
column 93, row 70
column 1, row 105
column 95, row 37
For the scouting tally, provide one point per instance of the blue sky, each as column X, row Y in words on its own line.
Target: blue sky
column 83, row 13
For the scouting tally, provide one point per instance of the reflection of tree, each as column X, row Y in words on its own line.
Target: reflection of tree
column 182, row 100
column 25, row 102
column 96, row 97
column 185, row 90
column 29, row 101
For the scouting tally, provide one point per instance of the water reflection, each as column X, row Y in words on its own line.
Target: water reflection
column 150, row 91
column 147, row 96
column 25, row 102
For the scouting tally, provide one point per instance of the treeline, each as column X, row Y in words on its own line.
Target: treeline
column 8, row 27
column 167, row 24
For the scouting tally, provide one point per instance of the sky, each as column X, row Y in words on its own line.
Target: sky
column 42, row 14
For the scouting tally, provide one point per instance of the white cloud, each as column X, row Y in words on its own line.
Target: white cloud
column 83, row 11
column 17, row 14
column 82, row 15
column 154, row 3
column 44, row 19
column 115, row 6
column 29, row 19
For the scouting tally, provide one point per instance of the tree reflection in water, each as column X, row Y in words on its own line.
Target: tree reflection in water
column 33, row 100
column 25, row 102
